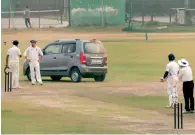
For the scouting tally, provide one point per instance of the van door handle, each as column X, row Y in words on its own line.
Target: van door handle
column 71, row 56
column 54, row 57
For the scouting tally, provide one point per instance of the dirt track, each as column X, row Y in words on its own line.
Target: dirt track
column 83, row 98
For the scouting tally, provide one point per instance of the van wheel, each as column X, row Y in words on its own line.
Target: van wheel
column 100, row 78
column 56, row 78
column 28, row 75
column 75, row 75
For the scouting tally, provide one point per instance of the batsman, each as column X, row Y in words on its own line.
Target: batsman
column 12, row 61
column 171, row 75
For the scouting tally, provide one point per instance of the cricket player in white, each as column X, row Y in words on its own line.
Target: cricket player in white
column 32, row 54
column 171, row 74
column 13, row 55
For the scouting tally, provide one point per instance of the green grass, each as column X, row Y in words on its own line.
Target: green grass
column 170, row 29
column 42, row 120
column 144, row 102
column 142, row 60
column 135, row 60
column 24, row 117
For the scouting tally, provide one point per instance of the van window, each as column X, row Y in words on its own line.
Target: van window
column 93, row 48
column 53, row 49
column 69, row 48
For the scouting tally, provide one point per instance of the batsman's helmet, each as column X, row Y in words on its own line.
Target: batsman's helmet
column 171, row 57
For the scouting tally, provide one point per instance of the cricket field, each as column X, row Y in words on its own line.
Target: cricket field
column 131, row 100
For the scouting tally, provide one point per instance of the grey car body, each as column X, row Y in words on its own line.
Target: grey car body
column 72, row 58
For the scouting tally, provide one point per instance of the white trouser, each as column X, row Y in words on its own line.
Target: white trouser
column 35, row 71
column 172, row 90
column 14, row 68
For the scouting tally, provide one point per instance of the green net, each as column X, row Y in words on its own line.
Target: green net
column 97, row 12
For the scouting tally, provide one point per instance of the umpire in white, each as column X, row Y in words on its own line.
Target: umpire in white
column 32, row 55
column 185, row 74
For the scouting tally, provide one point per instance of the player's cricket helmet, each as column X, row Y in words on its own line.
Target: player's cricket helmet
column 171, row 57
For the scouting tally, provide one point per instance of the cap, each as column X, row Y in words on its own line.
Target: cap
column 33, row 41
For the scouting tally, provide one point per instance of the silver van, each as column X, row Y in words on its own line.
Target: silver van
column 76, row 59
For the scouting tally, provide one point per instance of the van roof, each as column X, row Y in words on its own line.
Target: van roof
column 71, row 40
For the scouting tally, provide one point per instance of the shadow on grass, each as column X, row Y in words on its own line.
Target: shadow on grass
column 61, row 81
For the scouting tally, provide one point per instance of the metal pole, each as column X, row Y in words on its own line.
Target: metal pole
column 102, row 13
column 66, row 8
column 131, row 14
column 186, row 5
column 39, row 14
column 143, row 11
column 170, row 15
column 9, row 16
column 69, row 12
column 62, row 10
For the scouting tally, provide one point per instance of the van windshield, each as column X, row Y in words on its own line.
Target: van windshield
column 93, row 48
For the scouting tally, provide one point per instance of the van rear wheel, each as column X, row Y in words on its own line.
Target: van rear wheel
column 75, row 75
column 100, row 78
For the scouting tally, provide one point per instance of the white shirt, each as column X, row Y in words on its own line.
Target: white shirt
column 173, row 68
column 33, row 53
column 14, row 54
column 185, row 74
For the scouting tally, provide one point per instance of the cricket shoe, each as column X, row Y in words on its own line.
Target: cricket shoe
column 18, row 87
column 169, row 106
column 186, row 112
column 192, row 111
